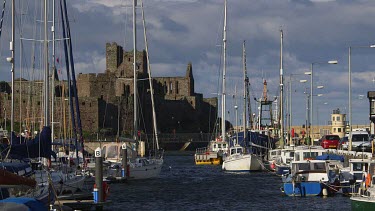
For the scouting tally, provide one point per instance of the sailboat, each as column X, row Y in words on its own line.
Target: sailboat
column 138, row 167
column 240, row 157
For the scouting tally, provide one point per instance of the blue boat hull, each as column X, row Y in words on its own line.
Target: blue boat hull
column 303, row 189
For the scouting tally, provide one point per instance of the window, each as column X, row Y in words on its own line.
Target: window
column 333, row 118
column 176, row 87
column 334, row 130
column 171, row 87
column 83, row 103
column 339, row 130
column 338, row 118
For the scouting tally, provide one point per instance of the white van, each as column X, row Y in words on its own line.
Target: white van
column 360, row 141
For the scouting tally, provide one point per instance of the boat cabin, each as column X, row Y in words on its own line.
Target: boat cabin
column 308, row 152
column 310, row 170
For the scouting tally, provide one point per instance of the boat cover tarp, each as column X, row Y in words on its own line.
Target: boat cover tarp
column 330, row 157
column 15, row 167
column 21, row 204
column 23, row 148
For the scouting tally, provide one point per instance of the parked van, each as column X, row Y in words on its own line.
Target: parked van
column 360, row 141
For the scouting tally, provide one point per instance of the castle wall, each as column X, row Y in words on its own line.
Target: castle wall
column 106, row 99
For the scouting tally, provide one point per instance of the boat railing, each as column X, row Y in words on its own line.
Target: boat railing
column 202, row 150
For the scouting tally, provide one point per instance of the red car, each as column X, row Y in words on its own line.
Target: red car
column 330, row 141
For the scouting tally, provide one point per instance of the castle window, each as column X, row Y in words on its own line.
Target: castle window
column 138, row 66
column 171, row 87
column 122, row 73
column 102, row 86
column 176, row 87
column 83, row 103
column 38, row 102
column 90, row 104
column 101, row 97
column 24, row 101
column 129, row 59
column 338, row 118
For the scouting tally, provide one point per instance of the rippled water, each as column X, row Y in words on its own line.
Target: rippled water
column 184, row 186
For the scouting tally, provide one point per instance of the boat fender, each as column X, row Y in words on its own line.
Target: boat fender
column 368, row 180
column 273, row 165
column 105, row 187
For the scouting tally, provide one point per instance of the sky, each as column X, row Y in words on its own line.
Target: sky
column 182, row 31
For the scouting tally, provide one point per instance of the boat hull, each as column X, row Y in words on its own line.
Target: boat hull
column 303, row 189
column 362, row 204
column 248, row 162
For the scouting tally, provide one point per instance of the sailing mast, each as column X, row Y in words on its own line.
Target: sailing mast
column 224, row 72
column 135, row 72
column 11, row 60
column 54, row 71
column 281, row 117
column 150, row 79
column 244, row 88
column 46, row 74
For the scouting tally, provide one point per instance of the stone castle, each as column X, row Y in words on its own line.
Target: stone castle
column 106, row 99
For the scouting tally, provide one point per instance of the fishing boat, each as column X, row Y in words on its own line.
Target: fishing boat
column 364, row 199
column 213, row 154
column 352, row 176
column 240, row 160
column 308, row 178
column 282, row 162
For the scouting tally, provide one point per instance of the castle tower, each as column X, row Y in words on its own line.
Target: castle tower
column 190, row 78
column 114, row 56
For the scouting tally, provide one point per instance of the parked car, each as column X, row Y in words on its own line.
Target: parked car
column 330, row 141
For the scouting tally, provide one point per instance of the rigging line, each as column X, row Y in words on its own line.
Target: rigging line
column 2, row 17
column 150, row 79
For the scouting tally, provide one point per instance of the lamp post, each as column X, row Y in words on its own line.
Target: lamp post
column 307, row 109
column 350, row 89
column 311, row 73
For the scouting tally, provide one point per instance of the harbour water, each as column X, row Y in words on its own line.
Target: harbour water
column 182, row 185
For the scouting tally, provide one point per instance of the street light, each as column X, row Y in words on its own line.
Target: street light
column 307, row 111
column 350, row 90
column 311, row 86
column 290, row 108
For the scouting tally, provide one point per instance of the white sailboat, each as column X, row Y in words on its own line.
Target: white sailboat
column 138, row 167
column 238, row 159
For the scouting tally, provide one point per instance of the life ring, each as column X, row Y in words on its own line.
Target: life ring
column 368, row 180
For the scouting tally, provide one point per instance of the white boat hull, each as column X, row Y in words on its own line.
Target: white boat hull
column 145, row 172
column 240, row 162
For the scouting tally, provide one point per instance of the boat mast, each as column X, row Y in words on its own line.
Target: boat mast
column 281, row 117
column 135, row 71
column 54, row 71
column 150, row 79
column 224, row 72
column 11, row 60
column 46, row 74
column 244, row 89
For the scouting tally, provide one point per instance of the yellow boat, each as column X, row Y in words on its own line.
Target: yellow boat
column 212, row 155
